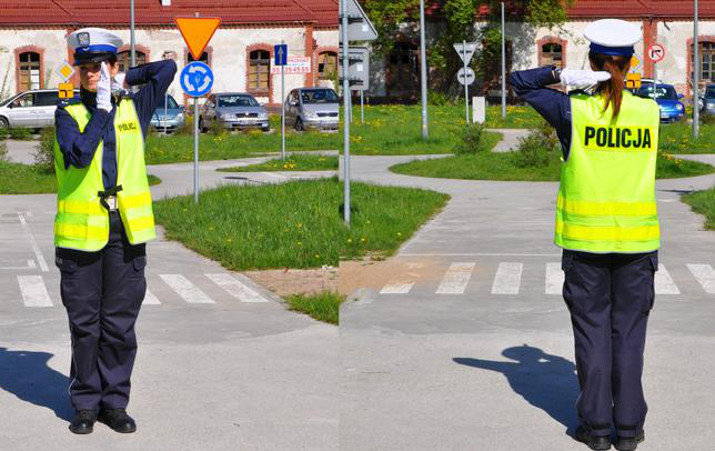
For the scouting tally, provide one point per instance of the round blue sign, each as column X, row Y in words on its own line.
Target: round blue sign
column 196, row 79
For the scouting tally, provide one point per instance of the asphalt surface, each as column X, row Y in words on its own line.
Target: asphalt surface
column 221, row 363
column 471, row 347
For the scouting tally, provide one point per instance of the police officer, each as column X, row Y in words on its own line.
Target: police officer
column 607, row 225
column 104, row 218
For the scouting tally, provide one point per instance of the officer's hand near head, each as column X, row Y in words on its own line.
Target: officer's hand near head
column 582, row 79
column 104, row 89
column 119, row 82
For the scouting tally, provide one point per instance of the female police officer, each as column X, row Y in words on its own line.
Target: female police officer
column 607, row 225
column 104, row 217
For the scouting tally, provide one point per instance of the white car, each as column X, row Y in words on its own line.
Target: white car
column 30, row 109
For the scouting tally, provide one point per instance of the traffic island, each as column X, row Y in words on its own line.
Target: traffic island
column 293, row 162
column 703, row 202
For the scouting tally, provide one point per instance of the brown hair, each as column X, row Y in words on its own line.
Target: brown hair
column 617, row 66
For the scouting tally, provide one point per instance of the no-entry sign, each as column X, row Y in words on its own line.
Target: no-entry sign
column 656, row 52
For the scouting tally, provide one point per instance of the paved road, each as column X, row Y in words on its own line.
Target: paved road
column 469, row 346
column 510, row 138
column 221, row 365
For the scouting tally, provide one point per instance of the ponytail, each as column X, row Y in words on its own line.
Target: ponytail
column 612, row 88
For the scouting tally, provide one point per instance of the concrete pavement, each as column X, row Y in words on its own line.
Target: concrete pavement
column 470, row 346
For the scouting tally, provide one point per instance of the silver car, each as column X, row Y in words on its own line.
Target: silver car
column 233, row 110
column 169, row 118
column 316, row 108
column 30, row 109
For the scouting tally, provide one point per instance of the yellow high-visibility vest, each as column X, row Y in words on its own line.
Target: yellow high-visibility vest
column 606, row 201
column 81, row 221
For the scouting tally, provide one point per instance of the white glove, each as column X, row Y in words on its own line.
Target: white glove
column 582, row 79
column 104, row 89
column 118, row 82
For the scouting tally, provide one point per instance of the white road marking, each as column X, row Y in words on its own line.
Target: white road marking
column 150, row 298
column 30, row 265
column 34, row 292
column 397, row 288
column 705, row 274
column 554, row 278
column 456, row 278
column 33, row 243
column 664, row 284
column 404, row 283
column 469, row 254
column 236, row 288
column 187, row 290
column 508, row 278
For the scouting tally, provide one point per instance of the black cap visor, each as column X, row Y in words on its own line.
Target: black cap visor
column 92, row 57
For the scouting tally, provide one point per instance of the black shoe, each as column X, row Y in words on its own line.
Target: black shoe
column 83, row 422
column 596, row 442
column 629, row 443
column 118, row 420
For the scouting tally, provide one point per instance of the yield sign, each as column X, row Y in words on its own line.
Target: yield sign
column 197, row 32
column 465, row 51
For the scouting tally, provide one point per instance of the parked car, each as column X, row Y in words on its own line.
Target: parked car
column 671, row 108
column 234, row 110
column 707, row 102
column 316, row 108
column 30, row 109
column 170, row 118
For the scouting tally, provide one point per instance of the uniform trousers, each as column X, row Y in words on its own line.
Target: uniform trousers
column 102, row 292
column 609, row 297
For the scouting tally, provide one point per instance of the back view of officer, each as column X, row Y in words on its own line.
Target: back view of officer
column 104, row 218
column 607, row 225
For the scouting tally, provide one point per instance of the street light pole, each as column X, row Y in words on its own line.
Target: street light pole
column 503, row 65
column 346, row 118
column 132, row 41
column 423, row 70
column 696, row 71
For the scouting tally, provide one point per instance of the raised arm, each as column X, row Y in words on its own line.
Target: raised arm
column 157, row 76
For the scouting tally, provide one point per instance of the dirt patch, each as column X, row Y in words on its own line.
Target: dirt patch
column 284, row 282
column 377, row 274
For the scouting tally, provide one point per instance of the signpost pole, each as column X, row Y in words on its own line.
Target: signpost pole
column 466, row 85
column 362, row 107
column 423, row 70
column 503, row 65
column 132, row 41
column 166, row 102
column 196, row 150
column 346, row 121
column 283, row 106
column 696, row 72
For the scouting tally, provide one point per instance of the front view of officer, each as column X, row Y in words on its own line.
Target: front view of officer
column 104, row 218
column 607, row 225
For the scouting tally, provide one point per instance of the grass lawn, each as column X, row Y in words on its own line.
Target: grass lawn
column 296, row 224
column 678, row 138
column 323, row 306
column 294, row 162
column 17, row 178
column 703, row 202
column 509, row 166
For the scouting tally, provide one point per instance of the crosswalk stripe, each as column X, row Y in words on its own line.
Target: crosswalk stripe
column 397, row 288
column 664, row 284
column 150, row 298
column 186, row 289
column 456, row 278
column 34, row 292
column 705, row 275
column 554, row 278
column 235, row 288
column 508, row 278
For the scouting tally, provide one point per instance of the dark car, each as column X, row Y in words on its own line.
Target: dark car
column 708, row 101
column 671, row 108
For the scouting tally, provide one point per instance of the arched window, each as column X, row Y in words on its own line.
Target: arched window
column 29, row 71
column 259, row 69
column 124, row 58
column 327, row 65
column 706, row 50
column 551, row 54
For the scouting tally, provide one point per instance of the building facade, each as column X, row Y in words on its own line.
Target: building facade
column 33, row 41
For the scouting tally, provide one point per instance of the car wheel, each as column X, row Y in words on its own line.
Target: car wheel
column 299, row 125
column 4, row 123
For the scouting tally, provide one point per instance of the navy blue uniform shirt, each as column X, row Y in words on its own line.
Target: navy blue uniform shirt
column 552, row 105
column 78, row 148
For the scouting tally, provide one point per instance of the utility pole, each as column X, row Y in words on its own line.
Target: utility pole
column 346, row 118
column 503, row 65
column 696, row 71
column 132, row 40
column 423, row 70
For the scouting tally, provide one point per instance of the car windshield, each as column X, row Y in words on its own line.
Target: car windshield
column 658, row 92
column 710, row 93
column 170, row 104
column 6, row 101
column 319, row 96
column 236, row 100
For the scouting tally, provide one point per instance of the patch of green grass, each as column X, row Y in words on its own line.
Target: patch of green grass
column 294, row 162
column 324, row 306
column 703, row 202
column 17, row 178
column 678, row 138
column 508, row 166
column 297, row 224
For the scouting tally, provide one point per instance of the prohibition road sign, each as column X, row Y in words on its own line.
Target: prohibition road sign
column 656, row 52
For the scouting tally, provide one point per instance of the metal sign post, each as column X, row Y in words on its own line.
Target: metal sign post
column 466, row 75
column 696, row 72
column 466, row 89
column 281, row 53
column 423, row 71
column 166, row 104
column 503, row 65
column 346, row 120
column 362, row 107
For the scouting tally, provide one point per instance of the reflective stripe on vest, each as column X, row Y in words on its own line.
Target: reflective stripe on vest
column 606, row 201
column 82, row 222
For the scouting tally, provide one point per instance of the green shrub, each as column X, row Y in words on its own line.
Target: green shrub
column 3, row 152
column 187, row 128
column 44, row 155
column 472, row 140
column 537, row 149
column 439, row 99
column 707, row 119
column 216, row 128
column 4, row 133
column 22, row 134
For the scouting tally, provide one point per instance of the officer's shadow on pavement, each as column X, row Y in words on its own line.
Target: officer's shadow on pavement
column 27, row 375
column 545, row 381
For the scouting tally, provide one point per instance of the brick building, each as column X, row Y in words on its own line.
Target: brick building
column 33, row 40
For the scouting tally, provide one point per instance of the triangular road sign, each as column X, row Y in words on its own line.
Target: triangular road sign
column 466, row 52
column 197, row 32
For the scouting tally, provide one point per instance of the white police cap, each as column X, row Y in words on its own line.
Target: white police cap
column 92, row 45
column 612, row 36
